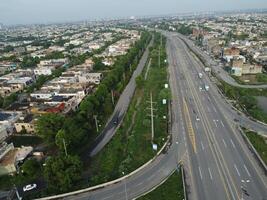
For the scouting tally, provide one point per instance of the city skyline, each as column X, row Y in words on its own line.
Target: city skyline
column 30, row 11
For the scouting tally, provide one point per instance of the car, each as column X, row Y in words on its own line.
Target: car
column 197, row 118
column 29, row 187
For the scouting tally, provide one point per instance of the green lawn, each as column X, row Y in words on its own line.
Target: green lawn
column 131, row 146
column 259, row 143
column 171, row 189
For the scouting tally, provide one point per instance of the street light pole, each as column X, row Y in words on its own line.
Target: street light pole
column 125, row 189
column 96, row 124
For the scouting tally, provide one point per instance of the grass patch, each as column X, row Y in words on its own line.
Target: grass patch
column 259, row 143
column 245, row 99
column 131, row 146
column 262, row 78
column 171, row 189
column 19, row 141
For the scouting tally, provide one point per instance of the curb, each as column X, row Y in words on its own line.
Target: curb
column 111, row 182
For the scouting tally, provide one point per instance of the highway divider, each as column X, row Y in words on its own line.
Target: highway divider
column 253, row 150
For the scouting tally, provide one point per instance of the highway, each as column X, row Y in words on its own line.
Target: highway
column 219, row 156
column 229, row 110
column 204, row 138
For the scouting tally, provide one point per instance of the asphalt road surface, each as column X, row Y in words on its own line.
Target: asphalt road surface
column 204, row 138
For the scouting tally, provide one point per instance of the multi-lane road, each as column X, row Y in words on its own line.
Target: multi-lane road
column 217, row 162
column 218, row 157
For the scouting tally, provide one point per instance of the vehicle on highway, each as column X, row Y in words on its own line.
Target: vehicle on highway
column 200, row 75
column 29, row 187
column 200, row 88
column 116, row 120
column 197, row 118
column 207, row 87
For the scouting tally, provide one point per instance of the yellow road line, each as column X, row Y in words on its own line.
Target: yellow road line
column 189, row 126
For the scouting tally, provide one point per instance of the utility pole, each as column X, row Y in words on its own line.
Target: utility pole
column 152, row 115
column 112, row 97
column 65, row 148
column 96, row 124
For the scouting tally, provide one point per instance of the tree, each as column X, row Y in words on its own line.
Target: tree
column 62, row 172
column 31, row 168
column 98, row 65
column 48, row 125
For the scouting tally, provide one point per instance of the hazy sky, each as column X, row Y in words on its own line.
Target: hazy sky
column 45, row 11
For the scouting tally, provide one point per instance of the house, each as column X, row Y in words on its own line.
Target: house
column 94, row 78
column 44, row 70
column 25, row 123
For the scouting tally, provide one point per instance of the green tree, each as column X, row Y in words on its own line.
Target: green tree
column 98, row 65
column 48, row 125
column 31, row 168
column 62, row 173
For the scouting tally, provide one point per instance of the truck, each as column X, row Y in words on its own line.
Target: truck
column 200, row 75
column 207, row 87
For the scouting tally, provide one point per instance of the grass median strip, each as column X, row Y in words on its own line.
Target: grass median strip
column 131, row 147
column 171, row 189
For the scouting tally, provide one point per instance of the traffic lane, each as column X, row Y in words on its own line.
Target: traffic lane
column 205, row 183
column 241, row 163
column 202, row 111
column 232, row 166
column 242, row 169
column 137, row 184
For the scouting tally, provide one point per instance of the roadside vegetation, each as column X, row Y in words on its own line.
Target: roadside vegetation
column 257, row 79
column 68, row 137
column 132, row 146
column 171, row 189
column 245, row 99
column 259, row 143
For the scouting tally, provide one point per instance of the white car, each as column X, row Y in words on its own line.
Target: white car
column 29, row 187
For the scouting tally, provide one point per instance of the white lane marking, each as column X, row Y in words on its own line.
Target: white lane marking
column 247, row 170
column 222, row 123
column 215, row 120
column 236, row 170
column 202, row 146
column 214, row 109
column 210, row 173
column 224, row 143
column 200, row 173
column 232, row 143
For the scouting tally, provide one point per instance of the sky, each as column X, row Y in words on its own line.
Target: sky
column 49, row 11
